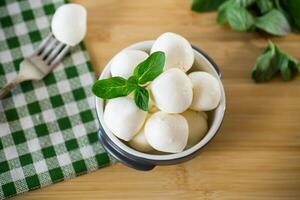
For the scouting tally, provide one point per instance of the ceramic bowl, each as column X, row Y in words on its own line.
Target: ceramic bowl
column 146, row 161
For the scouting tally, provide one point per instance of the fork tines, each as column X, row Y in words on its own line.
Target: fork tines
column 51, row 51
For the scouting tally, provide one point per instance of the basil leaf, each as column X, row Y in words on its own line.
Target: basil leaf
column 239, row 18
column 141, row 98
column 244, row 3
column 228, row 5
column 283, row 63
column 264, row 5
column 206, row 5
column 111, row 88
column 149, row 69
column 132, row 83
column 287, row 65
column 265, row 67
column 273, row 22
column 222, row 11
column 222, row 17
column 293, row 9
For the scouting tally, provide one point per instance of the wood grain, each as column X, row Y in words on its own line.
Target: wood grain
column 256, row 154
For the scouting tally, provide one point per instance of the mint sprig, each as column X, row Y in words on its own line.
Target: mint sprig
column 143, row 73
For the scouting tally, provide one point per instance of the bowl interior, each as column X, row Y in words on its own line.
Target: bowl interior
column 215, row 116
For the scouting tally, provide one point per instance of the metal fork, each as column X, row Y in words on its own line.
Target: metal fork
column 35, row 67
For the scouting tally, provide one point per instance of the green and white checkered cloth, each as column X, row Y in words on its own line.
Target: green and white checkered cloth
column 48, row 128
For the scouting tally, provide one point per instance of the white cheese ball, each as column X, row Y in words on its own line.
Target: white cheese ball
column 123, row 63
column 178, row 50
column 69, row 23
column 207, row 91
column 123, row 118
column 140, row 143
column 167, row 132
column 197, row 122
column 172, row 91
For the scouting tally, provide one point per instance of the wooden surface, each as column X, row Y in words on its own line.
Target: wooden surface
column 256, row 154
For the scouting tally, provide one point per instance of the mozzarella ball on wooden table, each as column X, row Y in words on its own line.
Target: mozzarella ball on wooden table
column 179, row 52
column 197, row 122
column 140, row 143
column 172, row 91
column 207, row 91
column 167, row 132
column 69, row 23
column 123, row 118
column 123, row 63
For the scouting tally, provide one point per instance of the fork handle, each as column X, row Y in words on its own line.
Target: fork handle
column 8, row 87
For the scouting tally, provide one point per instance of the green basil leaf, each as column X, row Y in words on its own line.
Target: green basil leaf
column 222, row 17
column 264, row 5
column 132, row 83
column 149, row 69
column 283, row 64
column 111, row 88
column 244, row 3
column 265, row 67
column 292, row 7
column 222, row 11
column 273, row 22
column 287, row 65
column 206, row 5
column 239, row 18
column 141, row 98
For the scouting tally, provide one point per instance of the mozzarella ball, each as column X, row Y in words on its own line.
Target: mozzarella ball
column 197, row 122
column 178, row 50
column 207, row 91
column 69, row 23
column 124, row 62
column 123, row 118
column 172, row 91
column 140, row 143
column 167, row 132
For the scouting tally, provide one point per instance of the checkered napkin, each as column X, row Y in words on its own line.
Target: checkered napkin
column 48, row 128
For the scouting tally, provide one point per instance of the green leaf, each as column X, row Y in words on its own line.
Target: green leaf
column 265, row 67
column 132, row 82
column 273, row 22
column 244, row 3
column 223, row 9
column 239, row 18
column 206, row 5
column 141, row 98
column 287, row 65
column 264, row 5
column 292, row 7
column 112, row 87
column 222, row 17
column 149, row 69
column 283, row 64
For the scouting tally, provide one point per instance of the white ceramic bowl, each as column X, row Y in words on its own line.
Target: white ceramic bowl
column 145, row 161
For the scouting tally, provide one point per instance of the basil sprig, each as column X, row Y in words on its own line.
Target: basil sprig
column 275, row 17
column 143, row 73
column 272, row 61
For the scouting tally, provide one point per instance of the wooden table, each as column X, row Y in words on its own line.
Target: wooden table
column 256, row 154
